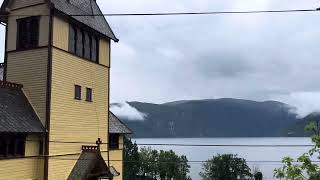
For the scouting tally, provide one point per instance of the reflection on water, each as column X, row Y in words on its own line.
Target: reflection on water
column 256, row 156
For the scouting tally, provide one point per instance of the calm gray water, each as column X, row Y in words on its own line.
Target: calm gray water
column 249, row 153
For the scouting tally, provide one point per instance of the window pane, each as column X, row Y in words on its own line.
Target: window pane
column 89, row 95
column 11, row 147
column 72, row 39
column 20, row 147
column 34, row 32
column 87, row 46
column 114, row 141
column 28, row 33
column 77, row 92
column 22, row 34
column 94, row 49
column 3, row 147
column 79, row 43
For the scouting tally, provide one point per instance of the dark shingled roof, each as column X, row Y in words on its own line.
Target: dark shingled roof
column 16, row 113
column 116, row 126
column 90, row 162
column 79, row 7
column 85, row 7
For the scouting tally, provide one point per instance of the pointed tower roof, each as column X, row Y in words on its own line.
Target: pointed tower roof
column 86, row 12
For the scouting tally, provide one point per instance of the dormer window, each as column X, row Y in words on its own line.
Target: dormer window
column 28, row 33
column 83, row 44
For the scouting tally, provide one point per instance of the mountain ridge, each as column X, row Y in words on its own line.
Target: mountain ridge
column 225, row 117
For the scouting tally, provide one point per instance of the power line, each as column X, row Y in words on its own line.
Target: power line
column 188, row 145
column 213, row 12
column 179, row 13
column 62, row 158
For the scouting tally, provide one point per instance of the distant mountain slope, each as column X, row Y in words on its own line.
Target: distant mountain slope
column 298, row 129
column 212, row 118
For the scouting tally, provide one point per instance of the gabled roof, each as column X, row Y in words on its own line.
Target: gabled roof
column 16, row 113
column 89, row 165
column 87, row 8
column 116, row 126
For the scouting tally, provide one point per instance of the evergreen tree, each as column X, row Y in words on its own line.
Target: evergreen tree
column 131, row 157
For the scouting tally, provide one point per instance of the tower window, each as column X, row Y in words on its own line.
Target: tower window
column 79, row 49
column 77, row 92
column 114, row 141
column 89, row 95
column 28, row 33
column 83, row 44
column 72, row 39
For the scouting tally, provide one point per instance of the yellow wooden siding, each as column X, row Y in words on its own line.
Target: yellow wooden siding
column 104, row 52
column 32, row 11
column 24, row 168
column 32, row 145
column 74, row 120
column 60, row 33
column 116, row 158
column 61, row 40
column 21, row 169
column 23, row 3
column 30, row 69
column 61, row 167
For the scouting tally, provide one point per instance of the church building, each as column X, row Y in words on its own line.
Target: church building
column 55, row 91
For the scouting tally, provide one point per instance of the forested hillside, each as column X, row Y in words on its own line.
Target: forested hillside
column 212, row 118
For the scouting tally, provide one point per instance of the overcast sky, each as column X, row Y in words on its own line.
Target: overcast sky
column 256, row 56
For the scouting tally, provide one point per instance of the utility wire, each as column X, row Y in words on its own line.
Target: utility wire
column 189, row 145
column 179, row 13
column 63, row 158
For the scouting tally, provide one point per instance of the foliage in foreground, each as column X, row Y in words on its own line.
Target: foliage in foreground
column 303, row 168
column 154, row 164
column 226, row 167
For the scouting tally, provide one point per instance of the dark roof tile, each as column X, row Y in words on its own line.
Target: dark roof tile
column 116, row 126
column 16, row 113
column 90, row 162
column 85, row 7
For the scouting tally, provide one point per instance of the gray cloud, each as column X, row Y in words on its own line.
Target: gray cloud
column 257, row 56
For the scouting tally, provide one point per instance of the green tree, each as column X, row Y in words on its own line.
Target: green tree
column 303, row 168
column 153, row 164
column 172, row 166
column 226, row 167
column 131, row 157
column 184, row 169
column 146, row 162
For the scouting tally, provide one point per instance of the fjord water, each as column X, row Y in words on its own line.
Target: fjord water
column 252, row 154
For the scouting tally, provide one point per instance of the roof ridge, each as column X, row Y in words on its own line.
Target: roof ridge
column 116, row 39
